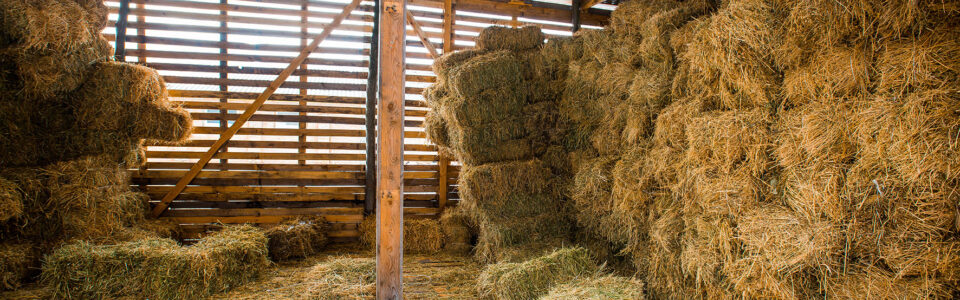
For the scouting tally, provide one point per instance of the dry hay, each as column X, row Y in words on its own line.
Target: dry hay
column 533, row 278
column 16, row 260
column 117, row 107
column 343, row 278
column 157, row 268
column 41, row 76
column 458, row 230
column 731, row 56
column 297, row 237
column 419, row 235
column 514, row 204
column 84, row 199
column 598, row 288
column 11, row 200
column 833, row 75
column 506, row 38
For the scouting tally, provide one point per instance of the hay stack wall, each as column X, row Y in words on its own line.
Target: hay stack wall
column 756, row 148
column 72, row 121
column 494, row 109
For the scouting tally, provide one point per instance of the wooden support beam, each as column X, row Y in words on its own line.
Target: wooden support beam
column 444, row 163
column 390, row 171
column 371, row 113
column 121, row 27
column 575, row 15
column 449, row 16
column 228, row 134
column 423, row 37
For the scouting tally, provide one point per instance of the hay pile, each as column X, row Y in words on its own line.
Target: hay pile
column 343, row 278
column 297, row 237
column 16, row 259
column 599, row 288
column 419, row 235
column 494, row 109
column 157, row 268
column 535, row 277
column 759, row 149
column 73, row 121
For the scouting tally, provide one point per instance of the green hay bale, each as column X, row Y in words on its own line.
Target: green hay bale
column 597, row 288
column 51, row 25
column 16, row 260
column 11, row 200
column 505, row 38
column 447, row 62
column 458, row 231
column 535, row 277
column 419, row 235
column 343, row 278
column 157, row 268
column 296, row 238
column 511, row 189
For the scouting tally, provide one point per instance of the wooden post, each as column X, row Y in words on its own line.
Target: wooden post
column 390, row 172
column 120, row 39
column 370, row 197
column 302, row 139
column 247, row 114
column 443, row 164
column 223, row 78
column 575, row 9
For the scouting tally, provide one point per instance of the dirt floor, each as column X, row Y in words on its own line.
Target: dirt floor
column 434, row 276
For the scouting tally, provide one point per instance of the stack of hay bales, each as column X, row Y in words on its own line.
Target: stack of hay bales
column 535, row 277
column 494, row 109
column 766, row 149
column 73, row 122
column 297, row 237
column 157, row 268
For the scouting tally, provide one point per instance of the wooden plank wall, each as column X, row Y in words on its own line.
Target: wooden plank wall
column 302, row 153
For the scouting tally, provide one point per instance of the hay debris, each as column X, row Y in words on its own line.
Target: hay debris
column 157, row 268
column 297, row 237
column 600, row 287
column 343, row 278
column 535, row 277
column 16, row 260
column 419, row 235
column 11, row 200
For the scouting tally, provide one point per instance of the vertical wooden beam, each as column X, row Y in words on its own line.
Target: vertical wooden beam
column 302, row 139
column 223, row 75
column 390, row 172
column 141, row 33
column 247, row 114
column 120, row 39
column 575, row 9
column 370, row 197
column 449, row 15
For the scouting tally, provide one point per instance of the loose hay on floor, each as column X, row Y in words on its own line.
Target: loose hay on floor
column 297, row 238
column 157, row 268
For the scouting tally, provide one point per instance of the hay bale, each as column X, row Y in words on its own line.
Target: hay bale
column 601, row 287
column 343, row 278
column 535, row 277
column 297, row 237
column 419, row 235
column 458, row 230
column 872, row 282
column 50, row 76
column 514, row 39
column 833, row 75
column 158, row 268
column 16, row 261
column 731, row 57
column 11, row 200
column 83, row 199
column 51, row 25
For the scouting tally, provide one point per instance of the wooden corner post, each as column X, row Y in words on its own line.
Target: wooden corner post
column 390, row 158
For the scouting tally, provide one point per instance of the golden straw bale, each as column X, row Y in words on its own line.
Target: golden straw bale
column 51, row 25
column 506, row 38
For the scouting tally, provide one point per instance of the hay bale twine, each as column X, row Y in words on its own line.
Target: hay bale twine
column 297, row 237
column 599, row 288
column 535, row 277
column 513, row 39
column 16, row 261
column 157, row 268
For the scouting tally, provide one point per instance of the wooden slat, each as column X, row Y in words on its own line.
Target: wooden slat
column 423, row 37
column 162, row 206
